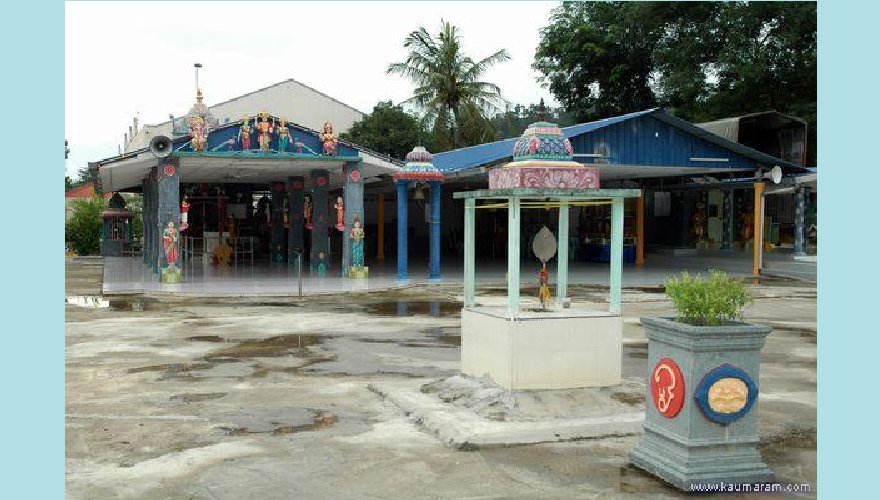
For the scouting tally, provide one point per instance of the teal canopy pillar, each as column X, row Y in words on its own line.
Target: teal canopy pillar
column 470, row 209
column 320, row 255
column 402, row 230
column 353, row 201
column 295, row 241
column 169, row 220
column 420, row 170
column 616, row 252
column 562, row 254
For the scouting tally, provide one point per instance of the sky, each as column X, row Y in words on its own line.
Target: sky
column 127, row 59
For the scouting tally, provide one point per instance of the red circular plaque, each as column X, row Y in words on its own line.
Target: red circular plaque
column 667, row 387
column 355, row 175
column 297, row 184
column 169, row 170
column 321, row 181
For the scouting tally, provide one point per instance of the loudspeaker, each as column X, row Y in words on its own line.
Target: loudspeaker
column 160, row 146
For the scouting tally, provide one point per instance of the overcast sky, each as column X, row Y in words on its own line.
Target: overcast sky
column 136, row 58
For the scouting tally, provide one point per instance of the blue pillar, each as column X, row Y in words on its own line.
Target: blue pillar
column 168, row 228
column 434, row 262
column 800, row 213
column 320, row 181
column 353, row 199
column 402, row 228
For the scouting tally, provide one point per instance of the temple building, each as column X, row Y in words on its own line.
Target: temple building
column 262, row 181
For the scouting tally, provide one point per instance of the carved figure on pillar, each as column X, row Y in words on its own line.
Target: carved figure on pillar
column 322, row 266
column 169, row 243
column 284, row 137
column 307, row 211
column 329, row 140
column 264, row 129
column 357, row 244
column 184, row 214
column 340, row 214
column 244, row 133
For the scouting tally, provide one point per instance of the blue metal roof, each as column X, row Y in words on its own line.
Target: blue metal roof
column 494, row 152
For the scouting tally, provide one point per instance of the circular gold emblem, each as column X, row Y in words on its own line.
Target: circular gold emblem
column 728, row 395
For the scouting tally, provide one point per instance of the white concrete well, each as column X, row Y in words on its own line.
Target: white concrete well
column 561, row 349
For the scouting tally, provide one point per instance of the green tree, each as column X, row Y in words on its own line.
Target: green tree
column 705, row 60
column 448, row 86
column 83, row 230
column 387, row 129
column 514, row 120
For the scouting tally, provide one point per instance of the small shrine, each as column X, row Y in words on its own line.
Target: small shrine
column 556, row 344
column 117, row 228
column 419, row 170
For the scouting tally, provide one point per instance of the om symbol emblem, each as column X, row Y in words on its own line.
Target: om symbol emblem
column 667, row 387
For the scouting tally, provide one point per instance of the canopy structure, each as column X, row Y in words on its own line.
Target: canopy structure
column 514, row 200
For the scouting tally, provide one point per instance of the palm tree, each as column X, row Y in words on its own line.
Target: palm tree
column 448, row 86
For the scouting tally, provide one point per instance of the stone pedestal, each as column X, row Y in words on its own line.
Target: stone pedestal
column 700, row 423
column 542, row 350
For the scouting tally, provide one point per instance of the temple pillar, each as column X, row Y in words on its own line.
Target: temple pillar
column 513, row 259
column 402, row 229
column 616, row 253
column 276, row 246
column 758, row 246
column 470, row 206
column 353, row 200
column 728, row 218
column 562, row 254
column 145, row 219
column 434, row 260
column 295, row 241
column 380, row 229
column 640, row 230
column 319, row 256
column 168, row 201
column 800, row 213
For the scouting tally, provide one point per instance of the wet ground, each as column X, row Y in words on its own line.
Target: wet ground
column 268, row 398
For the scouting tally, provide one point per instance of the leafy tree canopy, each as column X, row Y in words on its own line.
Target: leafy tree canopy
column 387, row 129
column 514, row 120
column 705, row 60
column 449, row 88
column 83, row 230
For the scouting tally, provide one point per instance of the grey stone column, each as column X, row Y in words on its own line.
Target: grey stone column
column 320, row 185
column 296, row 192
column 353, row 199
column 800, row 212
column 728, row 219
column 170, row 269
column 145, row 219
column 277, row 244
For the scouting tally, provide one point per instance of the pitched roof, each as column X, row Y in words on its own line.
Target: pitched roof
column 493, row 152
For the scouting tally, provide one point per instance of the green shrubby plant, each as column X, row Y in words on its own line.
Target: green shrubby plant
column 83, row 230
column 707, row 302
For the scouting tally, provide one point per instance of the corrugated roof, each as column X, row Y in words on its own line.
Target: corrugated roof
column 493, row 152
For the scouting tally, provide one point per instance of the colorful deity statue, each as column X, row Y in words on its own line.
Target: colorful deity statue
column 184, row 214
column 307, row 212
column 169, row 243
column 340, row 213
column 322, row 266
column 222, row 253
column 357, row 244
column 329, row 140
column 264, row 129
column 199, row 133
column 544, row 294
column 284, row 137
column 244, row 133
